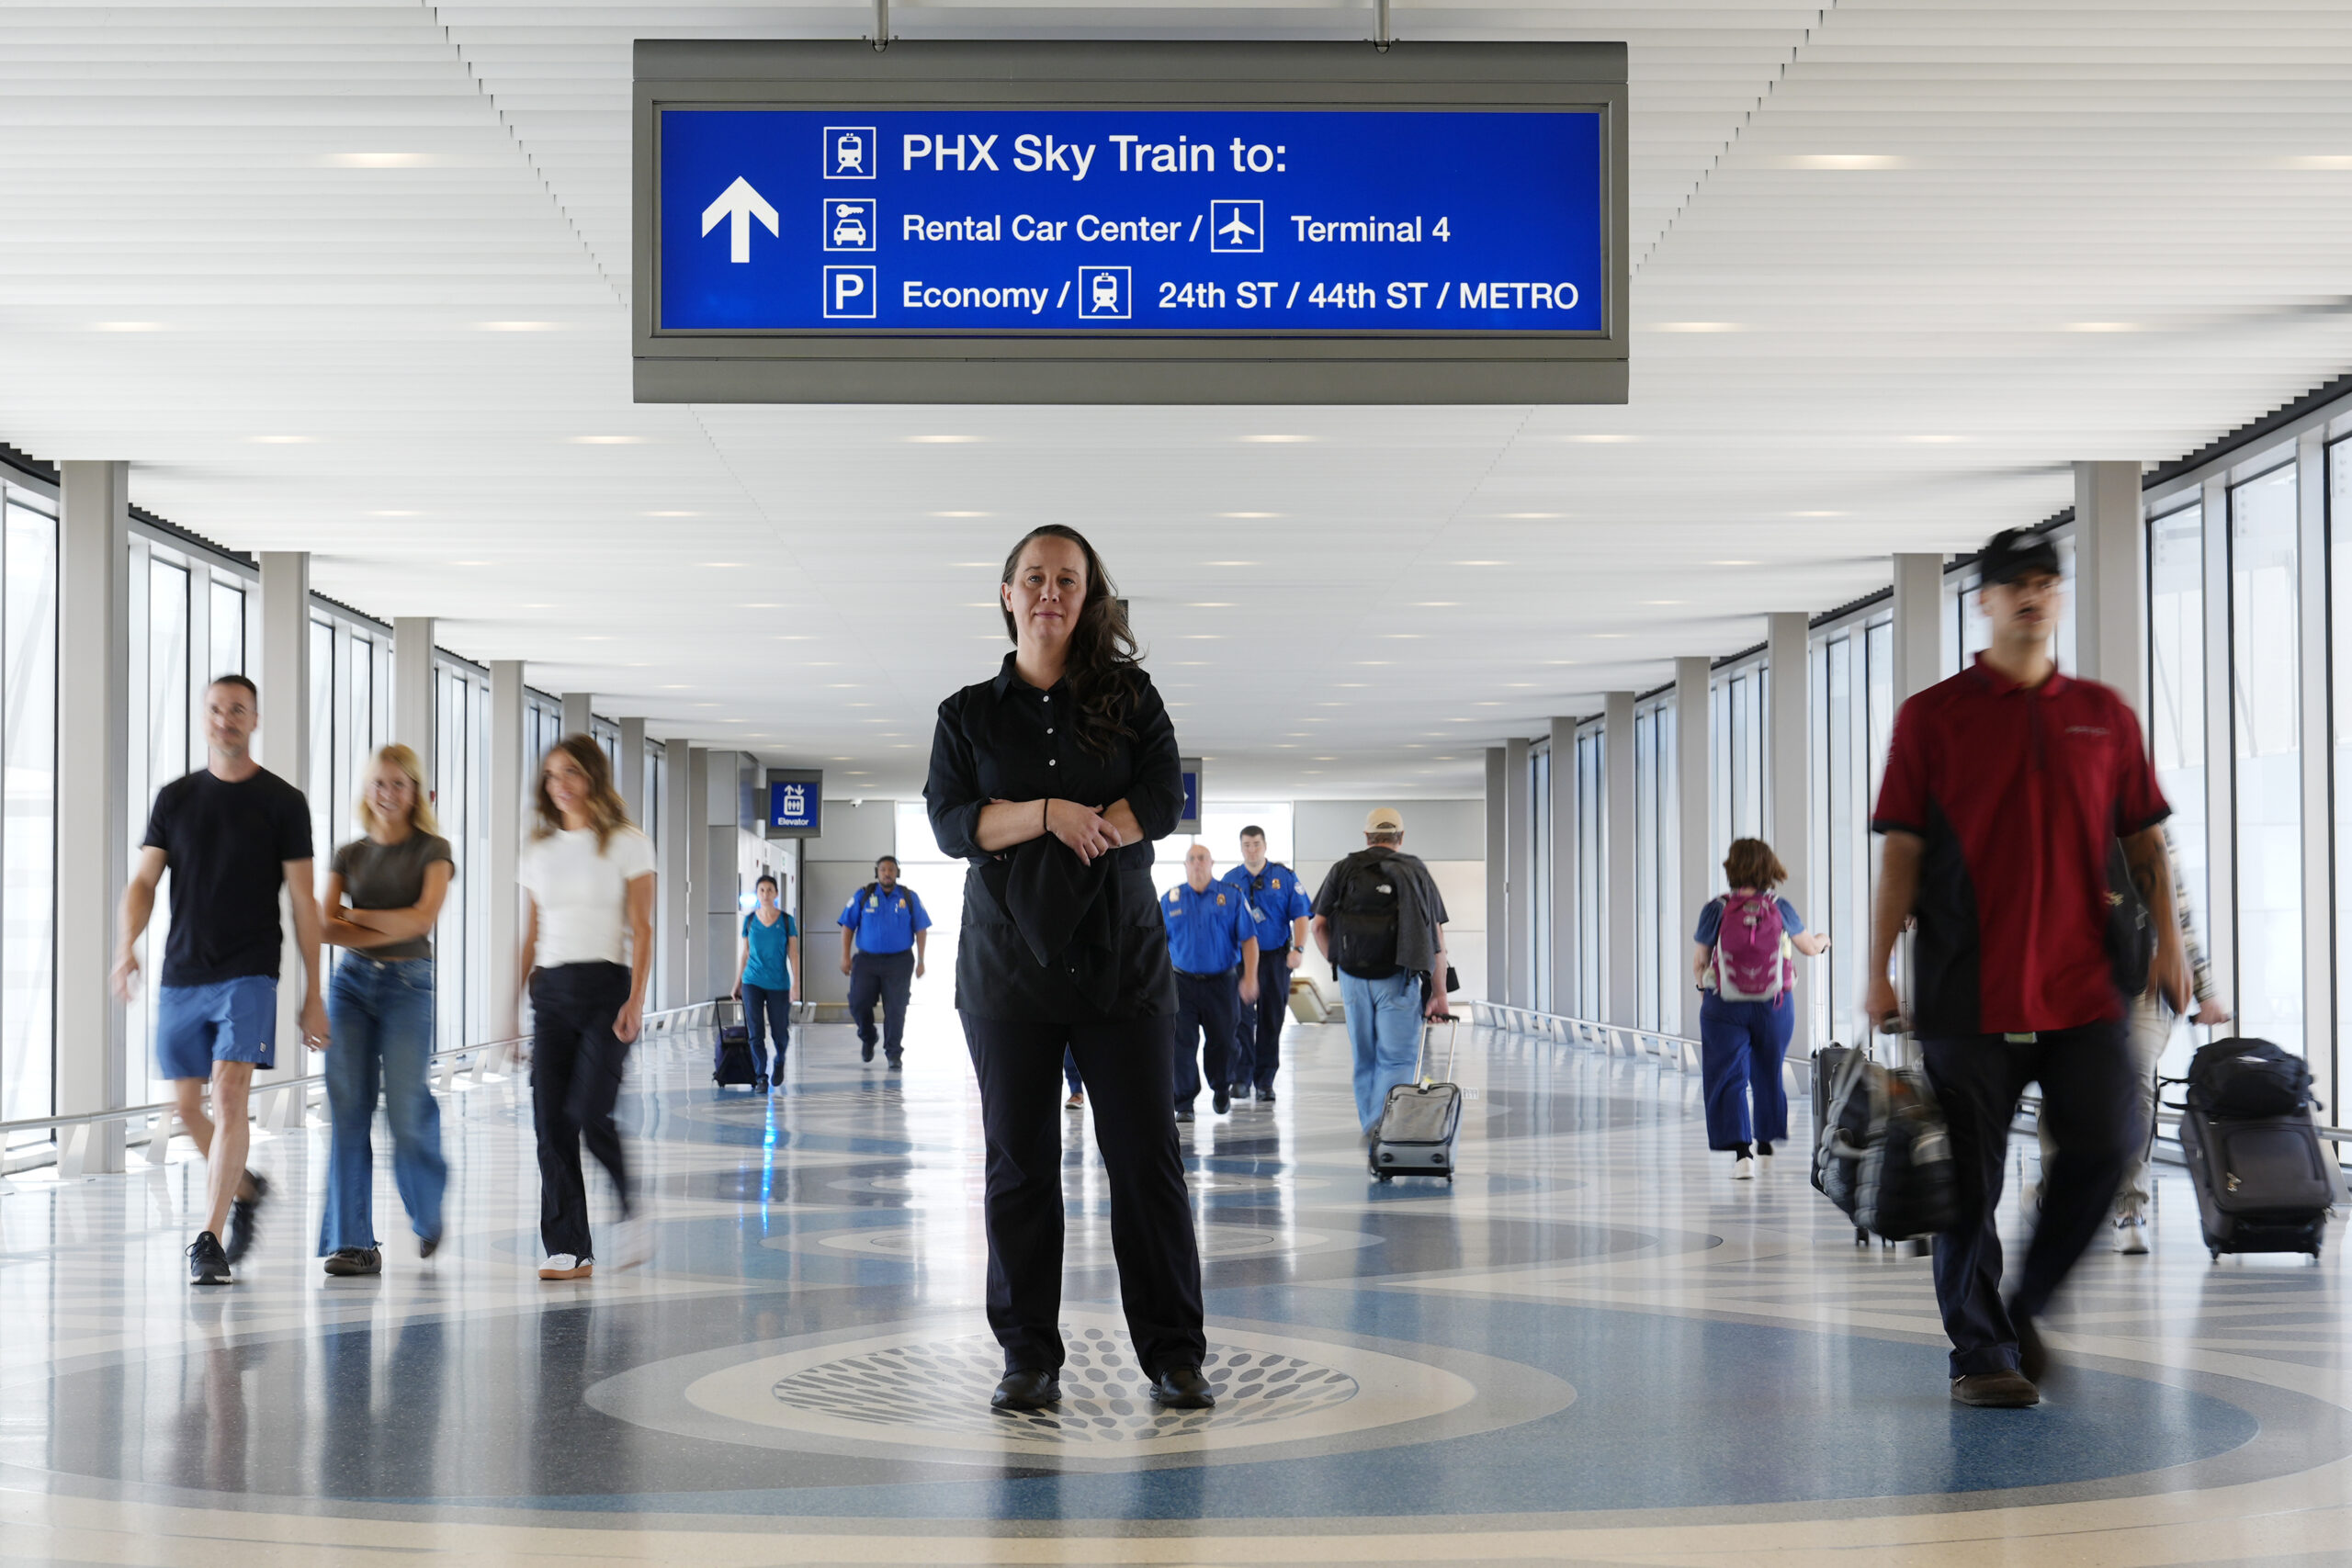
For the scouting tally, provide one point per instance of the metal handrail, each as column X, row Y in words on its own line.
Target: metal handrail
column 278, row 1095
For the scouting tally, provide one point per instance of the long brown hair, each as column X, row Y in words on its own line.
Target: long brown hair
column 1103, row 667
column 605, row 810
column 1751, row 863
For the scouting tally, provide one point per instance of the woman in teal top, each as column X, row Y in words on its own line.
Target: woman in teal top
column 764, row 978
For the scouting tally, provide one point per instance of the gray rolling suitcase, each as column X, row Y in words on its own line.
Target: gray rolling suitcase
column 1420, row 1120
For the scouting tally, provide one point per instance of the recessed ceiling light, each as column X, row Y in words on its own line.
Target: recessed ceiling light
column 1228, row 563
column 2318, row 161
column 841, row 759
column 963, row 515
column 1844, row 161
column 472, row 563
column 1934, row 440
column 518, row 326
column 724, row 565
column 1350, row 685
column 1601, row 438
column 126, row 326
column 281, row 440
column 847, row 685
column 540, row 608
column 392, row 513
column 1697, row 327
column 791, row 636
column 678, row 688
column 1208, row 605
column 1816, row 514
column 674, row 514
column 608, row 440
column 1486, row 705
column 1531, row 516
column 1204, row 636
column 1248, row 515
column 1611, row 636
column 1735, row 563
column 2101, row 327
column 1437, row 603
column 1326, row 759
column 990, row 565
column 1277, row 440
column 1482, row 563
column 376, row 160
column 1372, row 663
column 942, row 440
column 1402, row 637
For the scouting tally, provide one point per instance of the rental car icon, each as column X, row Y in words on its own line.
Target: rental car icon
column 849, row 223
column 849, row 230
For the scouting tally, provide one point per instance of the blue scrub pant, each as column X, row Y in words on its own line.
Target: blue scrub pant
column 1741, row 1047
column 1383, row 1019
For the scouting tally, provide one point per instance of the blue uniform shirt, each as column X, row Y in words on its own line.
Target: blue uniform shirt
column 1205, row 931
column 885, row 922
column 1275, row 900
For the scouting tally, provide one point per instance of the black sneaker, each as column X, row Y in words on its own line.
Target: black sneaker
column 345, row 1261
column 1183, row 1113
column 427, row 1245
column 866, row 1050
column 897, row 1065
column 1265, row 1097
column 1221, row 1103
column 244, row 1218
column 207, row 1263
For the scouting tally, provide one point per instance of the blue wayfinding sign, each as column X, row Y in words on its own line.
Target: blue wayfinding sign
column 794, row 807
column 1109, row 222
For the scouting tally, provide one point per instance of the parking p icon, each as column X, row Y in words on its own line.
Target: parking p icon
column 851, row 293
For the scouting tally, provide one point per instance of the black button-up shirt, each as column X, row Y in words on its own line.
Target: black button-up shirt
column 1003, row 740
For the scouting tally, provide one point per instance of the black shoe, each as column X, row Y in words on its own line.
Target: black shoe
column 207, row 1263
column 427, row 1245
column 897, row 1064
column 1183, row 1388
column 2033, row 1356
column 1026, row 1391
column 1995, row 1391
column 244, row 1218
column 347, row 1261
column 1265, row 1097
column 865, row 1050
column 759, row 1085
column 1184, row 1113
column 1222, row 1103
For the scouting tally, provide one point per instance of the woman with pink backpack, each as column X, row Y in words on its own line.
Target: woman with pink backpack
column 1747, row 977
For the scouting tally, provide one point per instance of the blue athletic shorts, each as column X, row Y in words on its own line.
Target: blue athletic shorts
column 229, row 1021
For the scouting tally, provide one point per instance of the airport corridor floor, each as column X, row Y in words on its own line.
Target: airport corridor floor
column 1592, row 1347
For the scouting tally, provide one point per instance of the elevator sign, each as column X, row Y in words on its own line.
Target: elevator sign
column 1115, row 222
column 1130, row 222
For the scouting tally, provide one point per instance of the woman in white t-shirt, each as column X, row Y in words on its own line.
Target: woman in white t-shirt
column 587, row 955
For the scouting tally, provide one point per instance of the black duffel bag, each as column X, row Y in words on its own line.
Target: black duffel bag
column 2242, row 1077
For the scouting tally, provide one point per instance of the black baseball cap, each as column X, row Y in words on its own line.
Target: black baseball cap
column 2013, row 553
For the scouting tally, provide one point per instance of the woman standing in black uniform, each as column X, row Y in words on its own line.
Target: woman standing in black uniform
column 1053, row 780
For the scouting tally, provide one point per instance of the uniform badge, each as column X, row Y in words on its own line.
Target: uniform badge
column 1220, row 900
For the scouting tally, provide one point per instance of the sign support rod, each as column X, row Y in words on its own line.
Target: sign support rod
column 882, row 24
column 1381, row 39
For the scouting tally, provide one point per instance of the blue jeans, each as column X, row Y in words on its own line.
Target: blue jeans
column 1741, row 1047
column 379, row 1019
column 1383, row 1020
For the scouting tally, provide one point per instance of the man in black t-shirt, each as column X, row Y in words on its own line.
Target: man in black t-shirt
column 231, row 835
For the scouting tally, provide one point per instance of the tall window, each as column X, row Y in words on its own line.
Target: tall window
column 2265, row 700
column 462, row 976
column 2177, row 734
column 1592, row 848
column 1539, row 846
column 1658, row 912
column 2339, row 555
column 1738, row 703
column 28, row 828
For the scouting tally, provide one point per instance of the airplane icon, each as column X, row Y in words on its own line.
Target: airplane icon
column 1237, row 227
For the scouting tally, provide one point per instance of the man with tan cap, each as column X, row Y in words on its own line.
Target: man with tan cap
column 1379, row 919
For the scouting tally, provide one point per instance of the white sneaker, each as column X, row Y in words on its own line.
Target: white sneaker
column 633, row 1243
column 1743, row 1170
column 564, row 1266
column 2131, row 1236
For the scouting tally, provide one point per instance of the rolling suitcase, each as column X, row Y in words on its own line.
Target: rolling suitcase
column 733, row 1064
column 2263, row 1182
column 1420, row 1120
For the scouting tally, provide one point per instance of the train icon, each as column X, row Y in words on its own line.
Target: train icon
column 849, row 151
column 1105, row 293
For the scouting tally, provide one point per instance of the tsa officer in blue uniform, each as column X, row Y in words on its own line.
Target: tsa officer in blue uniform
column 1211, row 941
column 1279, row 908
column 883, row 937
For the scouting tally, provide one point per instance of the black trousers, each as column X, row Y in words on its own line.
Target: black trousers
column 1258, row 1027
column 576, row 1065
column 2090, row 1104
column 1204, row 1007
column 888, row 977
column 1125, row 1069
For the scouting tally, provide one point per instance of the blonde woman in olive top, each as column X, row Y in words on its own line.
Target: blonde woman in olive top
column 587, row 952
column 383, row 895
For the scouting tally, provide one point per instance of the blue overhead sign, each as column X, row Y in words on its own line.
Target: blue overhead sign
column 796, row 803
column 1114, row 224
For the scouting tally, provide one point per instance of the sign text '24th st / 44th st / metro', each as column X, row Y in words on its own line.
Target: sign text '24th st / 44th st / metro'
column 1102, row 221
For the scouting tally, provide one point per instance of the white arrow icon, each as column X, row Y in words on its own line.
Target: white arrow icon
column 741, row 203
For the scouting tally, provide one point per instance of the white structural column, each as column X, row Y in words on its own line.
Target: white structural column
column 1497, row 883
column 93, row 808
column 1519, row 873
column 632, row 771
column 2221, row 751
column 1918, row 622
column 2111, row 581
column 1563, row 847
column 697, row 839
column 1788, row 761
column 1693, row 777
column 576, row 716
column 506, row 812
column 681, row 832
column 1618, row 900
column 2320, row 1045
column 283, row 745
column 412, row 689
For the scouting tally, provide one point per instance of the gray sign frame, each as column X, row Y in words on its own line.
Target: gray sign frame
column 1192, row 825
column 1235, row 368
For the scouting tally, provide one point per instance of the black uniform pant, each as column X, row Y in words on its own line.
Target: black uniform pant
column 887, row 978
column 1204, row 1005
column 1258, row 1027
column 2091, row 1105
column 576, row 1065
column 1126, row 1068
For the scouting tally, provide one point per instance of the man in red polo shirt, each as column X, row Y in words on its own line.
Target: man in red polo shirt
column 2006, row 787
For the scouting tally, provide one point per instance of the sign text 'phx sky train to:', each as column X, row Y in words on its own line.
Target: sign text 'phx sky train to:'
column 1101, row 222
